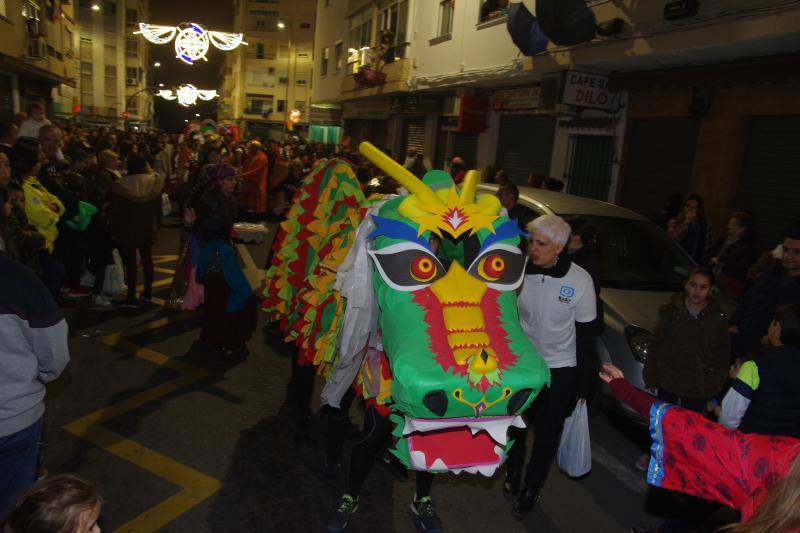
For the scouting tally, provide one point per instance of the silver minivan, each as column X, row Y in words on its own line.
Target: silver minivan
column 642, row 267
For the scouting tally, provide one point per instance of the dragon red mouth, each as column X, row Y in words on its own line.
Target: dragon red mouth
column 474, row 445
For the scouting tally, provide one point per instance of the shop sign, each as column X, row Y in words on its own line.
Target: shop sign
column 325, row 115
column 472, row 114
column 587, row 90
column 366, row 109
column 416, row 105
column 523, row 98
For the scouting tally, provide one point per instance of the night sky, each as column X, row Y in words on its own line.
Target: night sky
column 213, row 15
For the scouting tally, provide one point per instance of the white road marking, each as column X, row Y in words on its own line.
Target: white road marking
column 635, row 481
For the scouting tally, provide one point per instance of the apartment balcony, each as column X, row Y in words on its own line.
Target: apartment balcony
column 363, row 79
column 717, row 33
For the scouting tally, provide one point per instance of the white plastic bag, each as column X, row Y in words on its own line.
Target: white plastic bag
column 575, row 450
column 166, row 205
column 114, row 282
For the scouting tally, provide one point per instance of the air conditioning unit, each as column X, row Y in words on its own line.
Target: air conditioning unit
column 130, row 81
column 37, row 48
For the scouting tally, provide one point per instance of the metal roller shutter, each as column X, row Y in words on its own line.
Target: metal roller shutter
column 660, row 161
column 591, row 160
column 465, row 145
column 414, row 134
column 770, row 186
column 525, row 145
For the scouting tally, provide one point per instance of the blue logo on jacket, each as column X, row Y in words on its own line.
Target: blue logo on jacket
column 565, row 294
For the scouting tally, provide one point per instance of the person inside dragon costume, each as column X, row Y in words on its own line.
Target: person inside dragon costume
column 451, row 366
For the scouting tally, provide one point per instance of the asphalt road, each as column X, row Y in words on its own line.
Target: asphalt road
column 179, row 438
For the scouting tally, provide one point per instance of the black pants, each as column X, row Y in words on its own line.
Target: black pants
column 301, row 383
column 52, row 272
column 698, row 405
column 70, row 249
column 338, row 420
column 546, row 415
column 376, row 432
column 129, row 259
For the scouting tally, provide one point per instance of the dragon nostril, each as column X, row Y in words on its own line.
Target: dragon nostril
column 518, row 400
column 436, row 401
column 484, row 356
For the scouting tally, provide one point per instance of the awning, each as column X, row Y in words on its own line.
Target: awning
column 325, row 134
column 589, row 122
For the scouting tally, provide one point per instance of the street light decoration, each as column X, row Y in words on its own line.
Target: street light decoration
column 187, row 95
column 191, row 40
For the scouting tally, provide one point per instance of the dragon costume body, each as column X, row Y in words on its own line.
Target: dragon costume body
column 431, row 327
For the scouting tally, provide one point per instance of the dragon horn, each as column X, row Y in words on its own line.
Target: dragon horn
column 405, row 178
column 469, row 187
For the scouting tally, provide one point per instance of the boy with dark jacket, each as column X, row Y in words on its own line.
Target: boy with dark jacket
column 765, row 397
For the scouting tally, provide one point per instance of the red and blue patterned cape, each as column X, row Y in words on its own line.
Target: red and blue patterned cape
column 691, row 454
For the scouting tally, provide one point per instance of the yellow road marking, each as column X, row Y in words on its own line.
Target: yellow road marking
column 247, row 259
column 164, row 270
column 158, row 259
column 156, row 284
column 195, row 486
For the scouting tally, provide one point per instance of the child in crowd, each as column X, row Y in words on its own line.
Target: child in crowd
column 61, row 504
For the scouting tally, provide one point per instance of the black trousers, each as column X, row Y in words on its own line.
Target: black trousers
column 129, row 259
column 376, row 432
column 698, row 405
column 546, row 415
column 52, row 272
column 338, row 420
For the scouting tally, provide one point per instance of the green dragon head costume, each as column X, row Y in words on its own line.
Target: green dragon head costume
column 447, row 267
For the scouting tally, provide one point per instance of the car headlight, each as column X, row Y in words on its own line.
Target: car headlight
column 639, row 340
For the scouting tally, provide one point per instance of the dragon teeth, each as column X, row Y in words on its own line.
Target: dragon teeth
column 438, row 466
column 498, row 431
column 487, row 470
column 417, row 459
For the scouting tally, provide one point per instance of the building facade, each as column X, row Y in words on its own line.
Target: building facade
column 113, row 63
column 269, row 80
column 668, row 105
column 38, row 50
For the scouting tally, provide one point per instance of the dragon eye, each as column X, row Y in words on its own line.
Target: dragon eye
column 501, row 267
column 492, row 267
column 407, row 266
column 423, row 269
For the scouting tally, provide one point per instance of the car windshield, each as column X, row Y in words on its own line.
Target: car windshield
column 637, row 254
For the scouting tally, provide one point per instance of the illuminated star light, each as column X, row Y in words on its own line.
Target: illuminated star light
column 188, row 94
column 191, row 40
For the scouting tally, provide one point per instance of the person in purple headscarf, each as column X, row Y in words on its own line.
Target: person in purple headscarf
column 230, row 310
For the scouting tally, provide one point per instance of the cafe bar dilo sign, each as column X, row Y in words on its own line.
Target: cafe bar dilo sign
column 584, row 89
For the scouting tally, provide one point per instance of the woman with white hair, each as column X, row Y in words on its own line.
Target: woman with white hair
column 557, row 307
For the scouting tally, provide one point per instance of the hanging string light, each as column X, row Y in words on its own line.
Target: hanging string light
column 191, row 40
column 187, row 95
